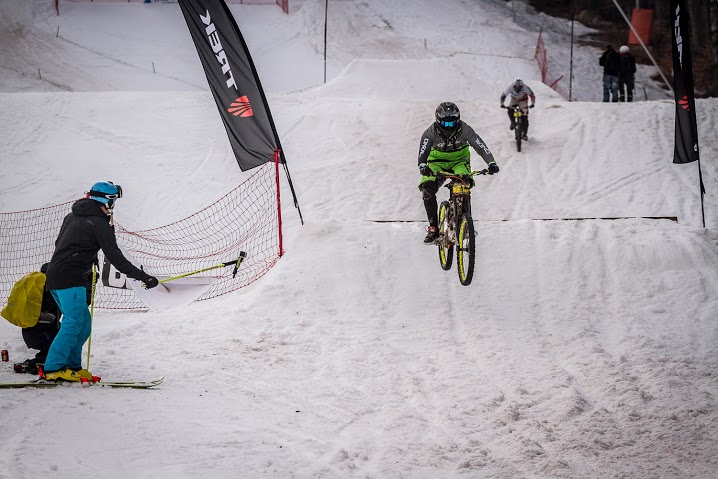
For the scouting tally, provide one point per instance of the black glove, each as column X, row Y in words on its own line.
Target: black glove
column 150, row 282
column 532, row 105
column 425, row 170
column 46, row 318
column 503, row 106
column 493, row 168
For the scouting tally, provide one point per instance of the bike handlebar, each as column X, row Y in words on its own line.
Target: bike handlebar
column 447, row 174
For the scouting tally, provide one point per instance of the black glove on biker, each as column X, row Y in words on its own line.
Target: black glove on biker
column 425, row 170
column 493, row 168
column 150, row 282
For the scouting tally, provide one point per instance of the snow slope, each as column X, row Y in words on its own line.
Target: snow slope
column 582, row 349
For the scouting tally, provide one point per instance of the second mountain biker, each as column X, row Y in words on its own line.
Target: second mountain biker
column 444, row 146
column 519, row 94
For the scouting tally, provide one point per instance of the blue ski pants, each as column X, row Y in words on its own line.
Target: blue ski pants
column 66, row 348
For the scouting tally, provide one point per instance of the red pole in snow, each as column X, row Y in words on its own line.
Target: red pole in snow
column 279, row 202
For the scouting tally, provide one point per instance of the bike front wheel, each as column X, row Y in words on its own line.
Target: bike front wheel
column 446, row 249
column 518, row 132
column 465, row 249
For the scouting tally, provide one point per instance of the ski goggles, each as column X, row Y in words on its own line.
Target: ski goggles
column 449, row 122
column 109, row 196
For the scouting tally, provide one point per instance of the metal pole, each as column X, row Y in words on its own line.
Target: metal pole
column 326, row 10
column 630, row 25
column 703, row 192
column 570, row 65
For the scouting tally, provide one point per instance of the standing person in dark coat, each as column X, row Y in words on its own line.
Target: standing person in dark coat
column 626, row 80
column 84, row 232
column 611, row 63
column 41, row 335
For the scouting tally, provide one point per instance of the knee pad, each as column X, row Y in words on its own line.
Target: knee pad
column 428, row 190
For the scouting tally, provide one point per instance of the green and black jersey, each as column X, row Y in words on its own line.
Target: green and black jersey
column 435, row 148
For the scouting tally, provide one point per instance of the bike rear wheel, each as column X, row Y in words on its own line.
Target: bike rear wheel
column 446, row 250
column 465, row 249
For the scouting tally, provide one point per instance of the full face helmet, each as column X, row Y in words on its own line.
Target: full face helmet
column 106, row 192
column 447, row 117
column 518, row 84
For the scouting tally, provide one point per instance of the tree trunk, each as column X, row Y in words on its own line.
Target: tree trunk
column 698, row 16
column 713, row 7
column 663, row 15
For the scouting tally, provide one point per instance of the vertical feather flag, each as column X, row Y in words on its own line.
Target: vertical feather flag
column 685, row 148
column 686, row 140
column 233, row 81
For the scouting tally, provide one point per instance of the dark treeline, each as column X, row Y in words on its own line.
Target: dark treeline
column 604, row 16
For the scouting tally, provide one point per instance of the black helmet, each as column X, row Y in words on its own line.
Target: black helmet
column 518, row 84
column 447, row 117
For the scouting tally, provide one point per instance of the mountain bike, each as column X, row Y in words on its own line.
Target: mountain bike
column 456, row 227
column 520, row 122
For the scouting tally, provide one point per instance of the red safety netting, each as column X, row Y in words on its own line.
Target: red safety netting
column 548, row 77
column 246, row 219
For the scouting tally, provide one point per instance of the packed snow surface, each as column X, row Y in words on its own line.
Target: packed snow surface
column 584, row 348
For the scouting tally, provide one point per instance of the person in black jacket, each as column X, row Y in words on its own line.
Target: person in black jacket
column 626, row 79
column 611, row 63
column 86, row 230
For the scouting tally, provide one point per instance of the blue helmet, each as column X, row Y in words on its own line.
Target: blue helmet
column 106, row 192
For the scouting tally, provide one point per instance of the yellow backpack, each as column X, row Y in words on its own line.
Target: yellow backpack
column 25, row 300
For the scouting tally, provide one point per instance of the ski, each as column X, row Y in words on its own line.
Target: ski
column 41, row 383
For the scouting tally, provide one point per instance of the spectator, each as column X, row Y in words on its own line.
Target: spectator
column 611, row 63
column 627, row 76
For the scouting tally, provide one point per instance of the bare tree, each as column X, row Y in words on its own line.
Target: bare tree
column 713, row 7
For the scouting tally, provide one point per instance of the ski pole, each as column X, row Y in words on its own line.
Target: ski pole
column 92, row 313
column 235, row 262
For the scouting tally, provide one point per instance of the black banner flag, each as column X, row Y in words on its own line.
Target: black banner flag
column 233, row 81
column 686, row 141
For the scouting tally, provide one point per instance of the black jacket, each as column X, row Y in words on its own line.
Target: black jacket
column 628, row 65
column 611, row 62
column 83, row 233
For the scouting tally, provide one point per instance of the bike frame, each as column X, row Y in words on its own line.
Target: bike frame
column 456, row 226
column 460, row 200
column 519, row 117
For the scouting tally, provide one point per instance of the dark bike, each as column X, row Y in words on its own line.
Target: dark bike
column 520, row 119
column 456, row 227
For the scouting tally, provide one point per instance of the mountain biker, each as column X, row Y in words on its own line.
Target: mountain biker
column 444, row 146
column 519, row 94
